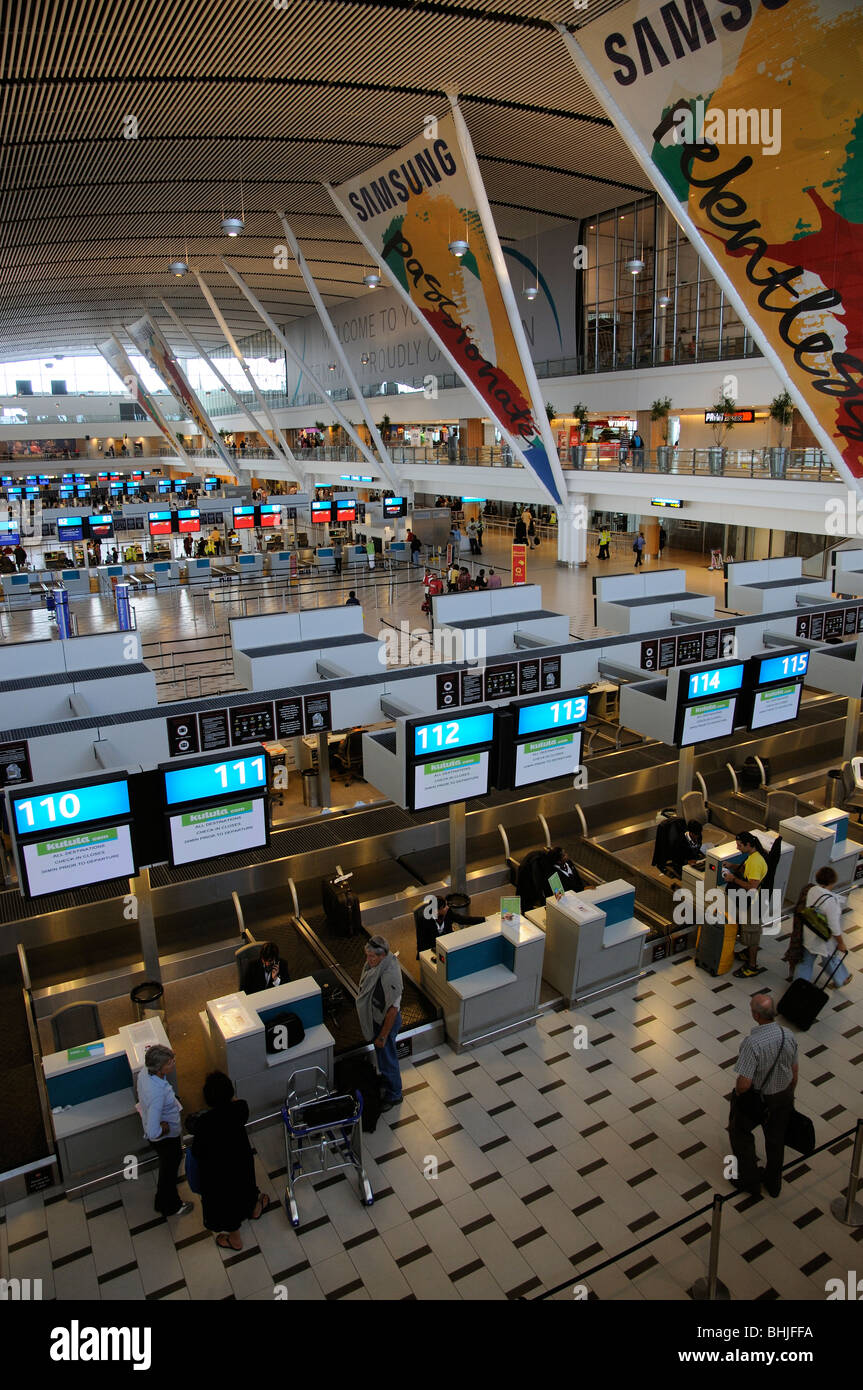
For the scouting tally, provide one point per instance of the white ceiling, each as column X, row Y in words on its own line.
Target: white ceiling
column 231, row 92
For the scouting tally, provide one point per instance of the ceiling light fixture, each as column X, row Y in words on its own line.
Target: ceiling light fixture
column 635, row 266
column 232, row 226
column 531, row 292
column 664, row 299
column 364, row 360
column 459, row 248
column 371, row 280
column 178, row 268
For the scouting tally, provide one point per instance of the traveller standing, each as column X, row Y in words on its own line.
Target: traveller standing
column 521, row 531
column 378, row 1007
column 338, row 555
column 479, row 530
column 471, row 536
column 663, row 539
column 763, row 1095
column 370, row 552
column 20, row 557
column 604, row 543
column 532, row 537
column 637, row 451
column 160, row 1115
column 638, row 546
column 750, row 877
column 225, row 1163
column 820, row 954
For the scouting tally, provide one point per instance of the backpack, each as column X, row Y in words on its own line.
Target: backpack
column 816, row 921
column 635, row 546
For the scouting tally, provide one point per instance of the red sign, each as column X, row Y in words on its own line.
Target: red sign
column 519, row 564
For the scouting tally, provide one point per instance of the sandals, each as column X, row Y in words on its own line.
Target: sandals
column 224, row 1242
column 264, row 1203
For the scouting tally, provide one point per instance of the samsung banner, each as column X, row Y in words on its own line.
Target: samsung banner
column 118, row 360
column 407, row 211
column 746, row 116
column 154, row 348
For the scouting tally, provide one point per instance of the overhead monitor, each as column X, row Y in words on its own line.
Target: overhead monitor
column 10, row 533
column 49, row 809
column 450, row 777
column 244, row 518
column 189, row 520
column 14, row 491
column 322, row 512
column 70, row 528
column 395, row 506
column 102, row 477
column 704, row 720
column 138, row 476
column 165, row 485
column 346, row 509
column 68, row 862
column 211, row 831
column 548, row 716
column 776, row 704
column 159, row 523
column 675, row 503
column 270, row 514
column 441, row 736
column 787, row 665
column 211, row 484
column 209, row 779
column 68, row 491
column 101, row 527
column 44, row 480
column 716, row 680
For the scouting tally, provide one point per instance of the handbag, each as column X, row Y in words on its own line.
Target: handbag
column 816, row 921
column 751, row 1103
column 800, row 1134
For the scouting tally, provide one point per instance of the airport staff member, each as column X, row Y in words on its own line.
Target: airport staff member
column 749, row 877
column 766, row 1064
column 378, row 1007
column 266, row 972
column 160, row 1114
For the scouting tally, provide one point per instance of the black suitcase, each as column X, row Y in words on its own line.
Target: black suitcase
column 358, row 1074
column 341, row 907
column 714, row 946
column 803, row 1001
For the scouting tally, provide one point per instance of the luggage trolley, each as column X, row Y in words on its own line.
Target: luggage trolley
column 322, row 1124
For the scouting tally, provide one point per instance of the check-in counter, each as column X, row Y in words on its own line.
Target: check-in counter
column 279, row 561
column 355, row 555
column 325, row 557
column 246, row 564
column 728, row 856
column 234, row 1033
column 92, row 1092
column 644, row 602
column 769, row 586
column 819, row 840
column 199, row 571
column 166, row 574
column 485, row 978
column 16, row 589
column 592, row 939
column 76, row 582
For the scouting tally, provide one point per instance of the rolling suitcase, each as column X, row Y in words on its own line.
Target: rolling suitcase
column 803, row 1000
column 714, row 947
column 341, row 906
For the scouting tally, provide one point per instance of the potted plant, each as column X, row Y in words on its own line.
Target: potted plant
column 550, row 411
column 724, row 408
column 578, row 451
column 659, row 415
column 782, row 411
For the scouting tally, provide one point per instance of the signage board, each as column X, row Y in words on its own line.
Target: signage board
column 217, row 830
column 445, row 779
column 53, row 809
column 776, row 705
column 468, row 731
column 289, row 718
column 182, row 735
column 706, row 720
column 67, row 862
column 447, row 688
column 318, row 713
column 15, row 763
column 213, row 730
column 251, row 723
column 543, row 757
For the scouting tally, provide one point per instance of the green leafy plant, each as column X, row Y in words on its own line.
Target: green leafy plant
column 782, row 411
column 659, row 412
column 721, row 428
column 550, row 411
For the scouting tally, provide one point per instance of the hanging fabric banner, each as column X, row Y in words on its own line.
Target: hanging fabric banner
column 407, row 211
column 154, row 348
column 747, row 118
column 118, row 360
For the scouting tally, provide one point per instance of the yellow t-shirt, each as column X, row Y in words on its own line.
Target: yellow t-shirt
column 755, row 867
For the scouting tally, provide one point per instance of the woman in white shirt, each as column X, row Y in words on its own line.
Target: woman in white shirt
column 160, row 1115
column 818, row 954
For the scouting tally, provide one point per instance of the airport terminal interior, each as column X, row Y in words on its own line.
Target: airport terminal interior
column 315, row 655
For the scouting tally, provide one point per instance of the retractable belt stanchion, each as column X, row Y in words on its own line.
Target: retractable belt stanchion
column 61, row 612
column 324, row 768
column 846, row 1209
column 124, row 607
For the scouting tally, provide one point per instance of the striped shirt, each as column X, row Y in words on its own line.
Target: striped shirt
column 758, row 1052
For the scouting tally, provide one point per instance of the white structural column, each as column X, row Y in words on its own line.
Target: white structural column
column 572, row 521
column 277, row 440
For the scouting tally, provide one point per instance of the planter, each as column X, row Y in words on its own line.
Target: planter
column 577, row 455
column 778, row 461
column 716, row 459
column 663, row 458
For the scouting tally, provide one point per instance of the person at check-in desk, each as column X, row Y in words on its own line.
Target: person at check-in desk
column 267, row 972
column 378, row 1007
column 160, row 1114
column 436, row 917
column 559, row 863
column 749, row 877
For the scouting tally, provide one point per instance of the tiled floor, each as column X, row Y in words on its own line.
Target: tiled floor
column 514, row 1169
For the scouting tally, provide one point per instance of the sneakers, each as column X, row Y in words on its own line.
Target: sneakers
column 746, row 972
column 184, row 1209
column 389, row 1103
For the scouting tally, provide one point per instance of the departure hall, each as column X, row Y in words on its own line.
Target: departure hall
column 431, row 624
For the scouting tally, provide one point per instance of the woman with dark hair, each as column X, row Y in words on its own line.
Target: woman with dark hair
column 225, row 1162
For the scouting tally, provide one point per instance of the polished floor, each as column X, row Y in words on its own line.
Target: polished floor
column 516, row 1168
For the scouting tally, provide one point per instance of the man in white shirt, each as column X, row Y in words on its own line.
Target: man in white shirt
column 767, row 1065
column 160, row 1115
column 820, row 955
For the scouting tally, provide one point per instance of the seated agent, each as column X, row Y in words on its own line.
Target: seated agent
column 689, row 848
column 559, row 862
column 437, row 917
column 750, row 877
column 267, row 972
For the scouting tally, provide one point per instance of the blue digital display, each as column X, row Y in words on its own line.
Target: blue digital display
column 208, row 781
column 715, row 682
column 448, row 734
column 70, row 528
column 779, row 668
column 57, row 809
column 552, row 714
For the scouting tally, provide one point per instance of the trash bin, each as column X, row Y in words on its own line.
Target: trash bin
column 459, row 902
column 834, row 788
column 310, row 788
column 148, row 1001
